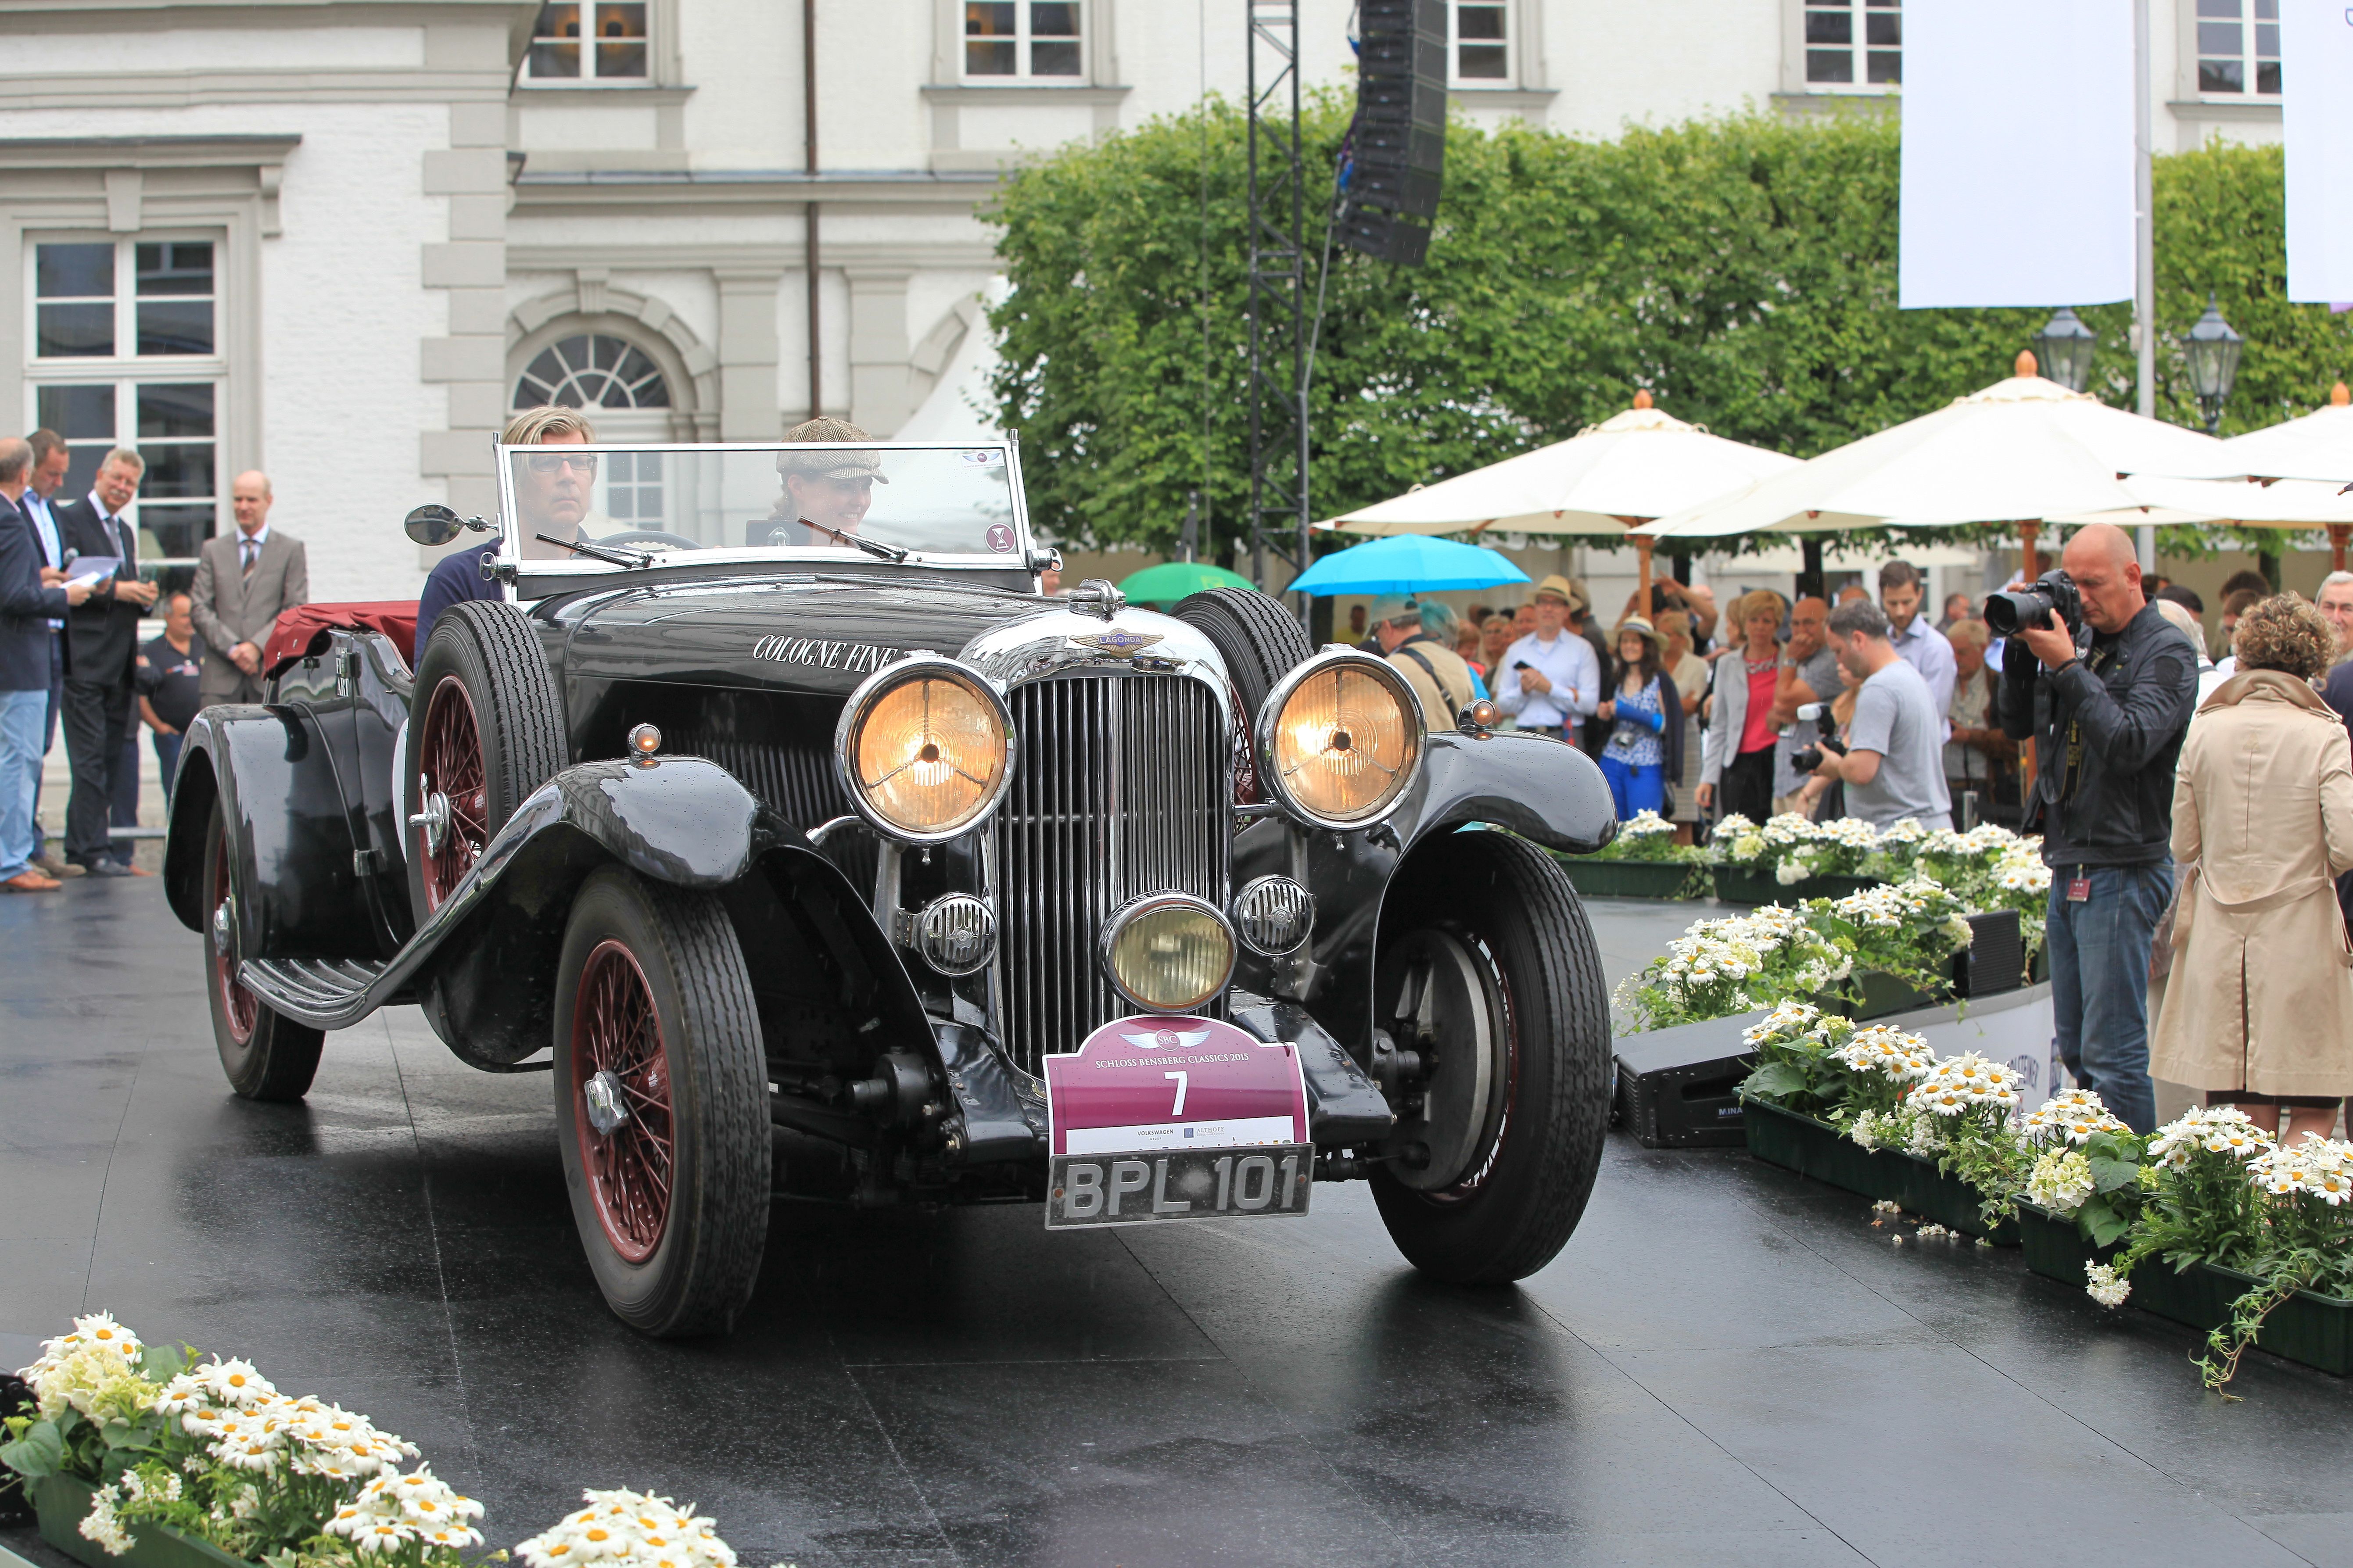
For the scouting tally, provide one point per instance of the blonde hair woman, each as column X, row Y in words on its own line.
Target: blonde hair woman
column 2258, row 1010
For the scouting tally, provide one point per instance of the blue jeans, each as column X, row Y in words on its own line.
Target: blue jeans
column 2099, row 981
column 1635, row 788
column 21, row 713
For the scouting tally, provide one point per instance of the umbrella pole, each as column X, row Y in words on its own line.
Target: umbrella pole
column 2337, row 532
column 2027, row 532
column 1642, row 547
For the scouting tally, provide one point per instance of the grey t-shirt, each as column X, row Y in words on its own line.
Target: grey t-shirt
column 1895, row 716
column 1819, row 670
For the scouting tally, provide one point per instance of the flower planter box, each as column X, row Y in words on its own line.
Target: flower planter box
column 62, row 1503
column 2314, row 1330
column 1746, row 884
column 1635, row 878
column 1813, row 1148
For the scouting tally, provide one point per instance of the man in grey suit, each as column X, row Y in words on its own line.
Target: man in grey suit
column 243, row 580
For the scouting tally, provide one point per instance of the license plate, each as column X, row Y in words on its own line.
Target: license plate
column 1272, row 1181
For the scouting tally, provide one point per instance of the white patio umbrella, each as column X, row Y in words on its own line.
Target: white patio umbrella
column 1601, row 482
column 2291, row 505
column 2021, row 451
column 2319, row 446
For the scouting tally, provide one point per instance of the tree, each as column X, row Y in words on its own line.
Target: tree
column 1741, row 269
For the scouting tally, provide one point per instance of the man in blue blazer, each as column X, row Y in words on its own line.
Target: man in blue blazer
column 26, row 610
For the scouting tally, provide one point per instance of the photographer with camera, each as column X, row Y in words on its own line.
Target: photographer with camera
column 2107, row 696
column 1893, row 759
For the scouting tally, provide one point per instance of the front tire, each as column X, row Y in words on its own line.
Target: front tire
column 654, row 1012
column 486, row 729
column 266, row 1056
column 1489, row 972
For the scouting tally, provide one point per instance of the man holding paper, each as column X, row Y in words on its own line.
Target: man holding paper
column 26, row 607
column 101, row 644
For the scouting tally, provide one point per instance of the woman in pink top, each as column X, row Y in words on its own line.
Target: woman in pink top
column 1738, row 773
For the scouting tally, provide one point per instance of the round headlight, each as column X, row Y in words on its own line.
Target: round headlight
column 925, row 749
column 1339, row 739
column 1168, row 953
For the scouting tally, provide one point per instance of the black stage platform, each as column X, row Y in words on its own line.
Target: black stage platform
column 1727, row 1364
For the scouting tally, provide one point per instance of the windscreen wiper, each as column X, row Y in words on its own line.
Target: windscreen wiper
column 875, row 547
column 604, row 552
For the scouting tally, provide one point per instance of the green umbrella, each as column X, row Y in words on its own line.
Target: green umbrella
column 1173, row 580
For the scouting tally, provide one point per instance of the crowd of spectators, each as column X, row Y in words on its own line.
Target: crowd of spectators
column 73, row 596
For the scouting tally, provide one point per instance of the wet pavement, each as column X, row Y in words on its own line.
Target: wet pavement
column 1727, row 1364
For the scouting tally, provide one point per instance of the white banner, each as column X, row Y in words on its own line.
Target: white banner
column 2316, row 109
column 2018, row 152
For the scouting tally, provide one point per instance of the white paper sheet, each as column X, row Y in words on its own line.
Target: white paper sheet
column 2316, row 115
column 2018, row 152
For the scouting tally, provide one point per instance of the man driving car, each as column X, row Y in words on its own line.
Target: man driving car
column 549, row 499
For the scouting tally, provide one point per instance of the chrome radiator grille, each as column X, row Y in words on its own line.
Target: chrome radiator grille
column 1122, row 788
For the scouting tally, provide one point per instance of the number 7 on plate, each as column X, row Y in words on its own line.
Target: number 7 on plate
column 1181, row 1078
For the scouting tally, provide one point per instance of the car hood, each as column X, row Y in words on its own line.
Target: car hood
column 816, row 636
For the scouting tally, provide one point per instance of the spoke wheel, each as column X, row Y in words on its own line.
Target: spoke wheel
column 661, row 1103
column 455, row 790
column 615, row 1031
column 239, row 1009
column 265, row 1055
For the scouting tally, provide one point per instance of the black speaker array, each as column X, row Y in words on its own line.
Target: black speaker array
column 1397, row 145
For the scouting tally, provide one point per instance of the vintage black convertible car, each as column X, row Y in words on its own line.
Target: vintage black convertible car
column 771, row 795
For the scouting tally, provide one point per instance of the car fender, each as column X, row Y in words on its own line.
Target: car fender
column 1539, row 788
column 297, row 890
column 484, row 964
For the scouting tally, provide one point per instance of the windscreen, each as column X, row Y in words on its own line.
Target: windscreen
column 796, row 499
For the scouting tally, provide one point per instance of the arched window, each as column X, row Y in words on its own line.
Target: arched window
column 592, row 371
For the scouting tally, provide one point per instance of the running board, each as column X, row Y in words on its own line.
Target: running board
column 325, row 992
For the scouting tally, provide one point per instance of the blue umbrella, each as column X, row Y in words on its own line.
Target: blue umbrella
column 1407, row 564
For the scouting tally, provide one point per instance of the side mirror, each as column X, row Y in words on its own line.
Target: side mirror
column 433, row 523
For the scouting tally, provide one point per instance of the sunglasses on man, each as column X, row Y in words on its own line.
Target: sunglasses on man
column 556, row 462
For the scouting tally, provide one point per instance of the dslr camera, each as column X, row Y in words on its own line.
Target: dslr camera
column 2054, row 596
column 1807, row 761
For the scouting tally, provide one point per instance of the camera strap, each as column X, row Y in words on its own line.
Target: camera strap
column 2096, row 659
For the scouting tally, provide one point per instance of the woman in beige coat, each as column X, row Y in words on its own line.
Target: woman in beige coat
column 2259, row 1012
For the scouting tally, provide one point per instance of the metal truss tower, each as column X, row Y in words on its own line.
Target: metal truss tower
column 1278, row 295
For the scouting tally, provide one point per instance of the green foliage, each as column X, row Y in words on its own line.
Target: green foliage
column 1742, row 269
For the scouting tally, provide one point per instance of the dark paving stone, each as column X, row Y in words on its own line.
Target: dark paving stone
column 1727, row 1364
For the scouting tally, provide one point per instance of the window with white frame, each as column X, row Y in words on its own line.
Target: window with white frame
column 1855, row 43
column 588, row 42
column 2238, row 46
column 126, row 351
column 1023, row 40
column 1479, row 43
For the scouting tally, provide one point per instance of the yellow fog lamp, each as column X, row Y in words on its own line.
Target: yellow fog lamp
column 1168, row 952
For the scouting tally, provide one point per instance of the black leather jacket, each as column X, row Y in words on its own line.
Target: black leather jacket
column 2121, row 710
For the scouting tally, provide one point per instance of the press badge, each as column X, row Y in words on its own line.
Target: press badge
column 2079, row 889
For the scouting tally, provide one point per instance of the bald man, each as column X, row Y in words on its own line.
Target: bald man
column 244, row 578
column 2107, row 709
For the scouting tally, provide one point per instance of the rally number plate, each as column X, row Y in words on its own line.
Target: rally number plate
column 1270, row 1181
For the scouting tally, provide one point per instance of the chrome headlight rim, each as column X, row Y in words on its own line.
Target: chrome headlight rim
column 862, row 698
column 1263, row 729
column 1241, row 923
column 1147, row 903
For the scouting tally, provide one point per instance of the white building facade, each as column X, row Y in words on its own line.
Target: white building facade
column 338, row 240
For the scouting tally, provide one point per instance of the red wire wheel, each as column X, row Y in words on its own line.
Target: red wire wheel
column 451, row 761
column 240, row 1009
column 615, row 1029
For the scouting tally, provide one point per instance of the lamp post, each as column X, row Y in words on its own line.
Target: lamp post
column 2213, row 351
column 2065, row 346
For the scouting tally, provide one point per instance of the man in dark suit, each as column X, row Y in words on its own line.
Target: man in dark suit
column 101, row 648
column 26, row 608
column 244, row 579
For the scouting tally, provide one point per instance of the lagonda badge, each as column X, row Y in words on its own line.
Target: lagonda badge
column 1119, row 642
